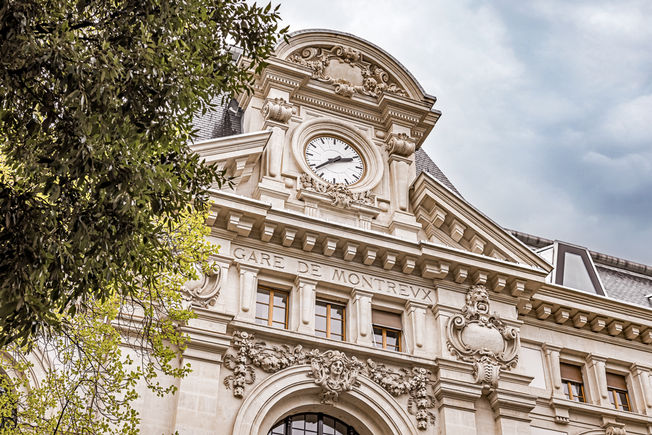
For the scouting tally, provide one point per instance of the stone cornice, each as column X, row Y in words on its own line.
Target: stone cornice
column 434, row 261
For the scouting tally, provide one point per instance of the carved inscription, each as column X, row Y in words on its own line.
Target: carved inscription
column 331, row 274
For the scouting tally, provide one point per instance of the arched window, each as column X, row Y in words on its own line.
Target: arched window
column 311, row 423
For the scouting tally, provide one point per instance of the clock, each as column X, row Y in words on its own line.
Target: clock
column 334, row 160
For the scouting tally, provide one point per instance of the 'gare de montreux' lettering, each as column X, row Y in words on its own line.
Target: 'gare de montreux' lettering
column 332, row 274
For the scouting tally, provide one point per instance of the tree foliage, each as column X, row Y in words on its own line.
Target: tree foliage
column 96, row 106
column 86, row 378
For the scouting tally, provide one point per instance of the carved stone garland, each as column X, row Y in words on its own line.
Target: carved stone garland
column 363, row 77
column 483, row 339
column 205, row 289
column 332, row 370
column 339, row 193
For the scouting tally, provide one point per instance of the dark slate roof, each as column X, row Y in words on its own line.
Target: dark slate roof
column 223, row 120
column 622, row 279
column 425, row 164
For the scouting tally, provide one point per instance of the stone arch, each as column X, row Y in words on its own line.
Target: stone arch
column 369, row 408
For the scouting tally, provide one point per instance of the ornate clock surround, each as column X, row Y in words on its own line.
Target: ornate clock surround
column 324, row 126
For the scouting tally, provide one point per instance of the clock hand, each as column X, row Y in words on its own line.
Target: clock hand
column 332, row 160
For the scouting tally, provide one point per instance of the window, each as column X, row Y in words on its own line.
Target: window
column 571, row 378
column 387, row 330
column 618, row 396
column 329, row 320
column 272, row 308
column 313, row 424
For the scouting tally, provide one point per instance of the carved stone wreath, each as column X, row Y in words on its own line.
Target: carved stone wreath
column 348, row 70
column 483, row 339
column 339, row 193
column 332, row 370
column 205, row 289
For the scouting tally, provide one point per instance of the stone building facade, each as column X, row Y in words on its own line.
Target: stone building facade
column 358, row 290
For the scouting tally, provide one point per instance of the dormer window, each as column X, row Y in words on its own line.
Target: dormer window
column 574, row 267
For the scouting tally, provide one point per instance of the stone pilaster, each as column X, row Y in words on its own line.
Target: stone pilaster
column 304, row 296
column 512, row 411
column 597, row 380
column 361, row 319
column 248, row 288
column 416, row 315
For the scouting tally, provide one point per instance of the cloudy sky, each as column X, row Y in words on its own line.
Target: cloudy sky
column 547, row 106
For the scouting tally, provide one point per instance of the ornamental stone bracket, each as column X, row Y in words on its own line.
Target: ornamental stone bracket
column 483, row 339
column 340, row 194
column 348, row 70
column 204, row 290
column 333, row 371
column 277, row 110
column 400, row 144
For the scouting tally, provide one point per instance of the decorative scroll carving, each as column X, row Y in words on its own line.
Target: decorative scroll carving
column 250, row 354
column 332, row 370
column 339, row 193
column 335, row 373
column 414, row 382
column 206, row 288
column 348, row 70
column 483, row 339
column 277, row 110
column 400, row 144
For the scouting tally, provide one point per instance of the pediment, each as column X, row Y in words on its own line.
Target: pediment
column 352, row 65
column 449, row 220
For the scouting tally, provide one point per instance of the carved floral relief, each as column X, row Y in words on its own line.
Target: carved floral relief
column 483, row 339
column 339, row 193
column 333, row 371
column 348, row 70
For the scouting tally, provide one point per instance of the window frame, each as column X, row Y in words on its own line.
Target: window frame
column 270, row 306
column 568, row 382
column 328, row 317
column 614, row 390
column 383, row 344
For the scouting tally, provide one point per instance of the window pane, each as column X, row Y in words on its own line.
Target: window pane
column 279, row 299
column 329, row 426
column 340, row 429
column 392, row 339
column 262, row 296
column 578, row 396
column 378, row 337
column 279, row 315
column 279, row 429
column 320, row 324
column 320, row 309
column 566, row 390
column 622, row 400
column 611, row 398
column 337, row 312
column 262, row 310
column 297, row 422
column 336, row 327
column 575, row 273
column 311, row 422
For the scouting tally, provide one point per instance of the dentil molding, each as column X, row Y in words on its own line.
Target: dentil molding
column 333, row 371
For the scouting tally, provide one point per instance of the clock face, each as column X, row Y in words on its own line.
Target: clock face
column 334, row 160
